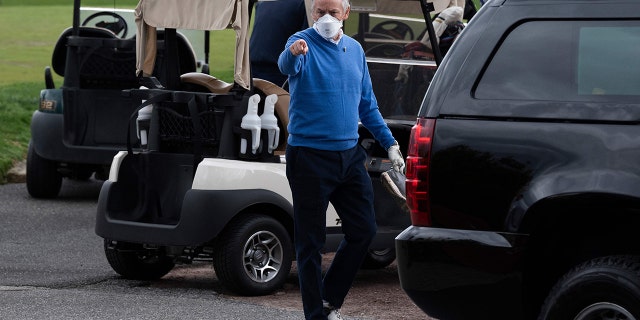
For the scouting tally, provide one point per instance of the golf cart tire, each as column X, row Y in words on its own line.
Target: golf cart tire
column 253, row 255
column 378, row 259
column 131, row 261
column 43, row 179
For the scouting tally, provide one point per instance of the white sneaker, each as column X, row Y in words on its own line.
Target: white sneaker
column 332, row 313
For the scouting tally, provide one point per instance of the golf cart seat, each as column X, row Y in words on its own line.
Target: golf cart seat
column 211, row 83
column 59, row 57
column 187, row 61
column 101, row 61
column 109, row 62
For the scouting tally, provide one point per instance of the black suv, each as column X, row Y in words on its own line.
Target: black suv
column 523, row 169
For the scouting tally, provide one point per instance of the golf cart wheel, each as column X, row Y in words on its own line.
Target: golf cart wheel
column 253, row 255
column 378, row 259
column 133, row 261
column 43, row 178
column 603, row 288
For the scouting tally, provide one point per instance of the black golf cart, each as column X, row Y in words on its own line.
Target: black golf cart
column 79, row 126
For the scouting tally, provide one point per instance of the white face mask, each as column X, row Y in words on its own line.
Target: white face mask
column 327, row 26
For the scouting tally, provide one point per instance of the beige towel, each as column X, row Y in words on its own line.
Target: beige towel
column 197, row 15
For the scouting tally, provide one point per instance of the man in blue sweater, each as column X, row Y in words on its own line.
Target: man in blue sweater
column 330, row 91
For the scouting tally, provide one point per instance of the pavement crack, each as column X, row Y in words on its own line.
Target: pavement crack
column 16, row 288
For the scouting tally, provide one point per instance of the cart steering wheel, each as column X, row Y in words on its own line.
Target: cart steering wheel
column 119, row 26
column 396, row 29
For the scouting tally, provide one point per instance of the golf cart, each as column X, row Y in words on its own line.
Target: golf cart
column 203, row 173
column 80, row 126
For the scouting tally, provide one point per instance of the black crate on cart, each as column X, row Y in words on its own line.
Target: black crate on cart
column 195, row 123
column 178, row 130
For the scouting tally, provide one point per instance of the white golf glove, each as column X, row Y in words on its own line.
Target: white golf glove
column 396, row 157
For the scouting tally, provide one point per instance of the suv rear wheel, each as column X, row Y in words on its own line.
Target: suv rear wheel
column 253, row 255
column 603, row 288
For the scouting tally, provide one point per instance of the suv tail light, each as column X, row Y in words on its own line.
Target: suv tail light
column 418, row 161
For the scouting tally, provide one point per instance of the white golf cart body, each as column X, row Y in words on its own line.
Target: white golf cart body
column 193, row 192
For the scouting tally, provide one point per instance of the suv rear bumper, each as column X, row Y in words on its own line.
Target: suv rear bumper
column 460, row 274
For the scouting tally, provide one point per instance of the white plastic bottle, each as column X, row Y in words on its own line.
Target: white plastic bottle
column 269, row 122
column 251, row 121
column 143, row 121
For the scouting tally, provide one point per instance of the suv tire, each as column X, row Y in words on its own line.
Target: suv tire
column 253, row 255
column 43, row 178
column 133, row 261
column 603, row 288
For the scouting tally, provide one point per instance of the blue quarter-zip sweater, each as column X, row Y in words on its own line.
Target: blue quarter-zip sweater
column 330, row 90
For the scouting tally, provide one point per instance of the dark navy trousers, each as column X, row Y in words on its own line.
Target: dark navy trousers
column 317, row 177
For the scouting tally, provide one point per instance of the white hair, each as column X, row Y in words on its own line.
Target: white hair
column 345, row 4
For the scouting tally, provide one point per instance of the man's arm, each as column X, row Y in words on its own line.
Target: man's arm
column 290, row 60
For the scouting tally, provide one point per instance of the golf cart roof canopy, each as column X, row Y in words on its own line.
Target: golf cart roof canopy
column 196, row 15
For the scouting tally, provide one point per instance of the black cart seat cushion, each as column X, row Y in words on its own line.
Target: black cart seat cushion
column 59, row 58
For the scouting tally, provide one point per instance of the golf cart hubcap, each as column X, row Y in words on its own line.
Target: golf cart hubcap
column 258, row 255
column 263, row 255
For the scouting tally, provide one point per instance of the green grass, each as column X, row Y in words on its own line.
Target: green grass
column 17, row 102
column 26, row 41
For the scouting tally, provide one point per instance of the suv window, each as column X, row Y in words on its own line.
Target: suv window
column 566, row 61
